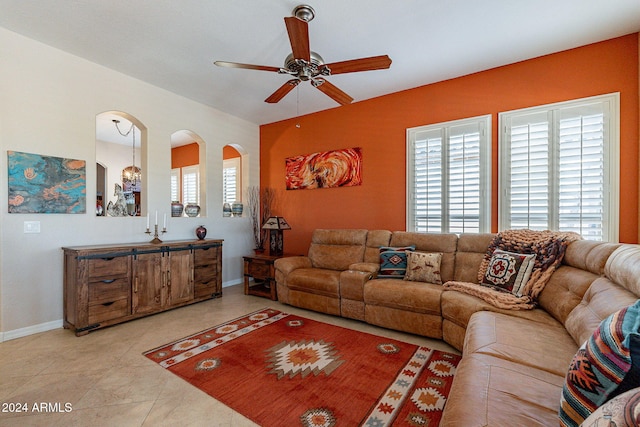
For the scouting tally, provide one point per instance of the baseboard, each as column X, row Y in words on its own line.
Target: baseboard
column 55, row 324
column 30, row 330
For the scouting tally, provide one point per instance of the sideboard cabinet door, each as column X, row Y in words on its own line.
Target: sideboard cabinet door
column 148, row 283
column 179, row 277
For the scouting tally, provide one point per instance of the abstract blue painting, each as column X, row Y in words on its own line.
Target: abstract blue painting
column 45, row 184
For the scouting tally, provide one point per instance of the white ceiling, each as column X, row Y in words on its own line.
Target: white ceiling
column 172, row 44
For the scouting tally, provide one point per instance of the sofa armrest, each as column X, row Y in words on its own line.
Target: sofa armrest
column 288, row 264
column 368, row 267
column 352, row 284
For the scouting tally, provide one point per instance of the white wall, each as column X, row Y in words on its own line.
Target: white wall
column 48, row 105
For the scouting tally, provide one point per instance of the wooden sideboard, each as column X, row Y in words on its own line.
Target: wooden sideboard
column 109, row 284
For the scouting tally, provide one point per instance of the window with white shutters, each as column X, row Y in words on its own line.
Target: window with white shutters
column 175, row 185
column 191, row 185
column 448, row 177
column 559, row 168
column 231, row 180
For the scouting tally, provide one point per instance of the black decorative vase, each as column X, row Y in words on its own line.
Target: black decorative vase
column 201, row 232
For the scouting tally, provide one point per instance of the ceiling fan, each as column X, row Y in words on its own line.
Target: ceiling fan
column 306, row 65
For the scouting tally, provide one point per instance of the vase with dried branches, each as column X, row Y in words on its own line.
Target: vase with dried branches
column 256, row 200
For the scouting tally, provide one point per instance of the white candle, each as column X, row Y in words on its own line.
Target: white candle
column 165, row 222
column 156, row 217
column 147, row 220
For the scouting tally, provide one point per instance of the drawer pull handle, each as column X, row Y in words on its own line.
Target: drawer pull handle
column 108, row 258
column 107, row 304
column 108, row 280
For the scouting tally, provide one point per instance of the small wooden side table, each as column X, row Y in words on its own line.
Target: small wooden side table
column 259, row 275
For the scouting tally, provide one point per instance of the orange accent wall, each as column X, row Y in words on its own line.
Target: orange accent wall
column 379, row 126
column 185, row 155
column 228, row 152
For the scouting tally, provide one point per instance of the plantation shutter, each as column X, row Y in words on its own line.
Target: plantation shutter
column 175, row 185
column 229, row 181
column 528, row 155
column 190, row 187
column 581, row 171
column 464, row 178
column 556, row 168
column 447, row 173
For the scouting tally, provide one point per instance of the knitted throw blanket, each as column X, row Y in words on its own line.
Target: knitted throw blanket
column 549, row 247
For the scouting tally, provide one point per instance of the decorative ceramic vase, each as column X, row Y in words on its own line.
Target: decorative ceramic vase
column 201, row 232
column 226, row 209
column 176, row 209
column 192, row 210
column 237, row 208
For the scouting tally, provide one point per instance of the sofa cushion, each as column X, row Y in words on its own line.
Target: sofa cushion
column 424, row 267
column 607, row 365
column 393, row 261
column 337, row 249
column 316, row 281
column 458, row 308
column 584, row 262
column 508, row 271
column 490, row 391
column 375, row 239
column 603, row 298
column 471, row 250
column 412, row 296
column 431, row 242
column 547, row 347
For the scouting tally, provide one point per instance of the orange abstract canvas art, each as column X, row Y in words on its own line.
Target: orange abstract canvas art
column 336, row 168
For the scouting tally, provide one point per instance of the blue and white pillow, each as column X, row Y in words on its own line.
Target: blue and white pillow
column 393, row 261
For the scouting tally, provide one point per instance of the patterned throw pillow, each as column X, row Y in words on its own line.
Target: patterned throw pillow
column 607, row 365
column 508, row 271
column 623, row 410
column 424, row 267
column 393, row 261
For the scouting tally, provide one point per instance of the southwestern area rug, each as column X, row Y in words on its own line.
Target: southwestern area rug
column 279, row 369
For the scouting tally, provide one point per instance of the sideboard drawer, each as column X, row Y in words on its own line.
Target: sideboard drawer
column 202, row 256
column 205, row 273
column 108, row 290
column 108, row 266
column 108, row 310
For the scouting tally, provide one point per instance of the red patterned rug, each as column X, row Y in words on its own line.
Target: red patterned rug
column 280, row 369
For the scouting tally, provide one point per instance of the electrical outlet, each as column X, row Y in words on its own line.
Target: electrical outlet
column 32, row 226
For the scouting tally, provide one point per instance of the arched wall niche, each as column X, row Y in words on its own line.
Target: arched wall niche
column 116, row 153
column 234, row 155
column 188, row 157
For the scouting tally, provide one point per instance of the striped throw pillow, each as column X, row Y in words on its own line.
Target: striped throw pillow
column 607, row 365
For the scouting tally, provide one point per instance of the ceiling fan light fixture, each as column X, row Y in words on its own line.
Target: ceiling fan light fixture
column 302, row 64
column 304, row 12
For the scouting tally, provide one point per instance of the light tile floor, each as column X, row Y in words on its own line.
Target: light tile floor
column 102, row 379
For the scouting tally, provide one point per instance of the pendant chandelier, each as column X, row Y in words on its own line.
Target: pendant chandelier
column 132, row 173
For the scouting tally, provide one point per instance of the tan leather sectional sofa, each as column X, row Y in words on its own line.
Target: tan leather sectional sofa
column 514, row 361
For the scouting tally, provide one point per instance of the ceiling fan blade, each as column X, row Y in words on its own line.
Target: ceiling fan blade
column 362, row 64
column 282, row 91
column 246, row 66
column 298, row 31
column 332, row 91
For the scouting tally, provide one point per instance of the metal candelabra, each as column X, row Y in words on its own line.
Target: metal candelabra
column 156, row 237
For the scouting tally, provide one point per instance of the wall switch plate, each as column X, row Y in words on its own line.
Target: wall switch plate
column 32, row 226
